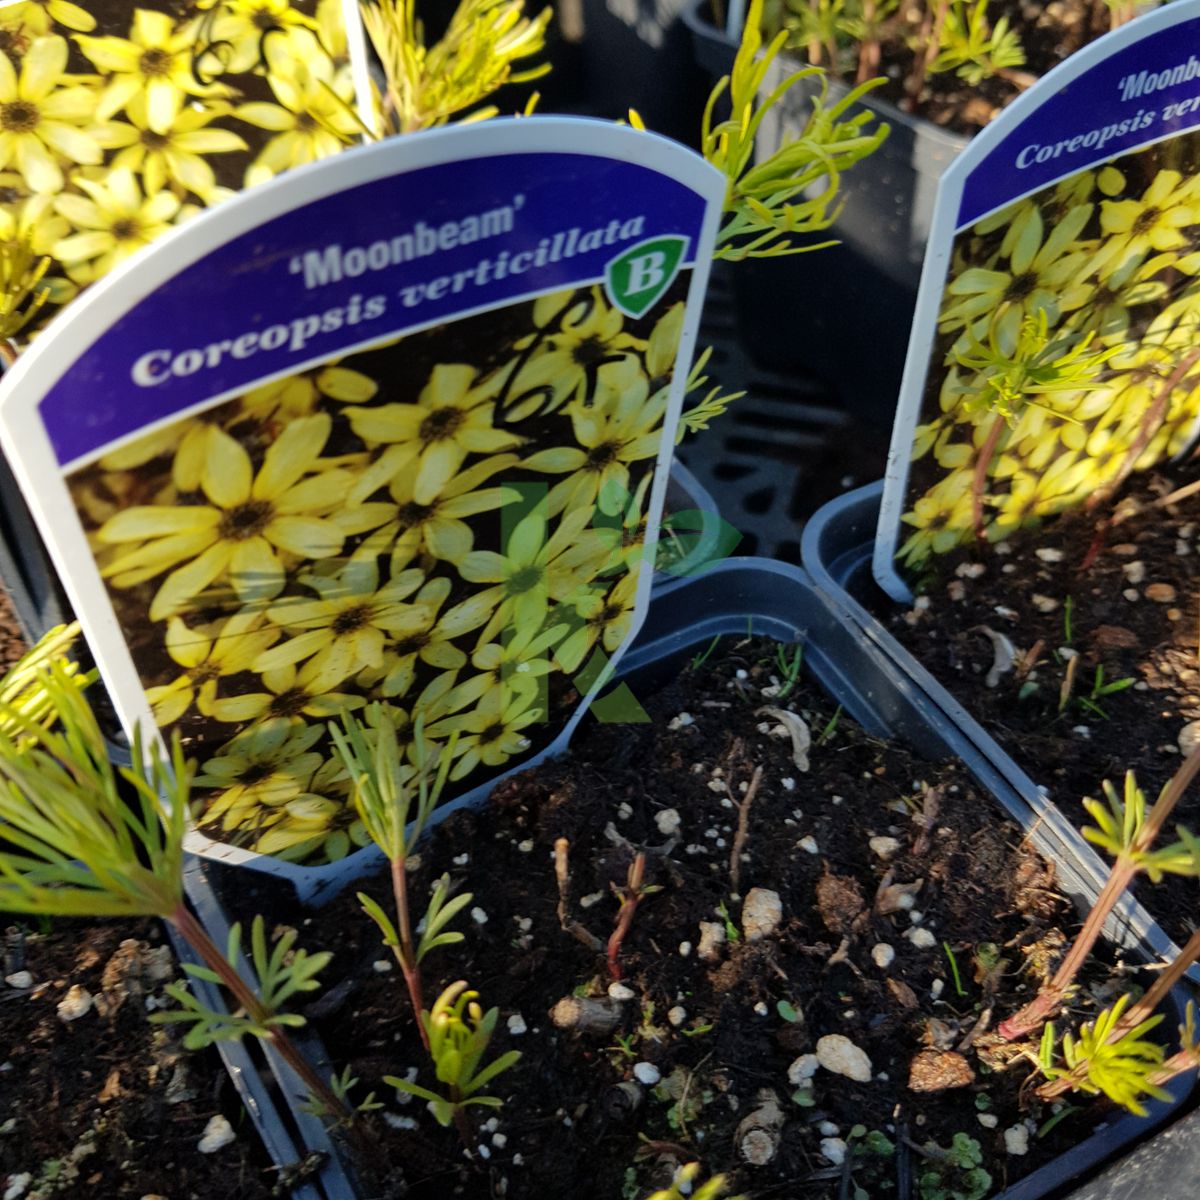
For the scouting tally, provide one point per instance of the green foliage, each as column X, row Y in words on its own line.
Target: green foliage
column 283, row 970
column 771, row 204
column 732, row 932
column 710, row 407
column 1120, row 1069
column 789, row 665
column 1119, row 828
column 384, row 783
column 428, row 86
column 787, row 1010
column 21, row 292
column 700, row 659
column 341, row 1086
column 81, row 837
column 1102, row 687
column 954, row 1173
column 1010, row 377
column 974, row 48
column 459, row 1031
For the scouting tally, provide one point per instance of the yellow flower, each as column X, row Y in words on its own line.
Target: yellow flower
column 432, row 642
column 42, row 122
column 249, row 519
column 154, row 63
column 113, row 221
column 207, row 653
column 298, row 395
column 174, row 154
column 621, row 427
column 578, row 337
column 520, row 662
column 345, row 631
column 942, row 518
column 42, row 15
column 1155, row 222
column 429, row 440
column 492, row 733
column 314, row 115
column 30, row 218
column 239, row 32
column 1040, row 263
column 262, row 767
column 292, row 694
column 536, row 570
column 605, row 619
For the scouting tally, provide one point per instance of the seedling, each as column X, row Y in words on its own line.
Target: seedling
column 700, row 659
column 385, row 788
column 787, row 1011
column 1068, row 621
column 789, row 667
column 1100, row 688
column 975, row 49
column 82, row 838
column 953, row 1172
column 458, row 1032
column 714, row 1189
column 732, row 932
column 958, row 987
column 830, row 728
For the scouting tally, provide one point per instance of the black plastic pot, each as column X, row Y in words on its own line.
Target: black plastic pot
column 841, row 313
column 836, row 549
column 780, row 601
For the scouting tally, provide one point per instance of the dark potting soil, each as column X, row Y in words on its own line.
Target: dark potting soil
column 1132, row 616
column 106, row 1104
column 575, row 1122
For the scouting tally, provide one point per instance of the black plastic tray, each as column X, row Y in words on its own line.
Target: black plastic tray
column 780, row 601
column 836, row 548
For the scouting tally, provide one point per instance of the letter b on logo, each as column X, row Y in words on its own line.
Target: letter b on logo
column 637, row 278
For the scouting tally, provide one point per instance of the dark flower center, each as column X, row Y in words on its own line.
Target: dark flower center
column 263, row 20
column 289, row 704
column 152, row 140
column 1145, row 221
column 442, row 423
column 125, row 229
column 1021, row 286
column 492, row 733
column 412, row 514
column 351, row 620
column 256, row 773
column 204, row 672
column 413, row 644
column 525, row 580
column 13, row 42
column 306, row 121
column 602, row 456
column 244, row 520
column 155, row 63
column 590, row 352
column 18, row 117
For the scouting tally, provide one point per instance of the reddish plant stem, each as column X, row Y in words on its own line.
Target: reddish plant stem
column 197, row 937
column 979, row 479
column 1047, row 1001
column 931, row 37
column 406, row 953
column 631, row 895
column 1151, row 423
column 868, row 50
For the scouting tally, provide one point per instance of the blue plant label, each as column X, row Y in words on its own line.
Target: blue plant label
column 386, row 436
column 1052, row 352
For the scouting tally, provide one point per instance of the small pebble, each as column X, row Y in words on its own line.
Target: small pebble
column 624, row 811
column 838, row 1054
column 397, row 1121
column 921, row 938
column 381, row 966
column 75, row 1004
column 956, row 590
column 803, row 1069
column 526, row 846
column 1134, row 571
column 1048, row 554
column 1182, row 549
column 915, row 917
column 1128, row 549
column 479, row 916
column 712, row 938
column 761, row 1009
column 937, row 988
column 762, row 913
column 834, row 1150
column 461, row 860
column 1131, row 594
column 668, row 821
column 485, row 1152
column 829, row 1129
column 1044, row 604
column 19, row 979
column 1161, row 593
column 680, row 722
column 18, row 1185
column 590, row 899
column 685, row 948
column 810, row 844
column 218, row 1133
column 620, row 991
column 885, row 847
column 969, row 570
column 988, row 1120
column 1016, row 1140
column 499, row 1140
column 677, row 1015
column 647, row 1074
column 1189, row 737
column 883, row 955
column 516, row 1025
column 788, row 784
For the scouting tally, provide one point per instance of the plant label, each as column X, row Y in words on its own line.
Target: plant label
column 387, row 435
column 1054, row 348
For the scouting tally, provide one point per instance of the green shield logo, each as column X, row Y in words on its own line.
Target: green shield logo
column 637, row 278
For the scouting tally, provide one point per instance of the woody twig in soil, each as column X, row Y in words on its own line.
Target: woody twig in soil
column 562, row 876
column 739, row 838
column 1128, row 832
column 630, row 896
